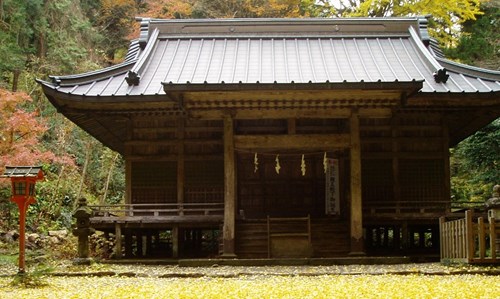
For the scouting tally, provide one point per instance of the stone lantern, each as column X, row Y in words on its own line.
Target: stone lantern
column 493, row 206
column 23, row 180
column 83, row 230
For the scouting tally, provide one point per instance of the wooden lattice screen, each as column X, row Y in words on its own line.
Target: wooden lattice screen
column 204, row 181
column 154, row 182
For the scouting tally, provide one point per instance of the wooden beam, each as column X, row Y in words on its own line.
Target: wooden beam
column 171, row 142
column 357, row 243
column 174, row 157
column 285, row 113
column 303, row 141
column 229, row 189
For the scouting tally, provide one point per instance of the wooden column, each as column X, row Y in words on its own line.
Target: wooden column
column 357, row 243
column 128, row 181
column 395, row 162
column 140, row 244
column 175, row 242
column 128, row 245
column 229, row 189
column 180, row 161
column 118, row 241
column 446, row 164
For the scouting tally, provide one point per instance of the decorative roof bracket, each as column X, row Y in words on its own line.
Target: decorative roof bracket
column 440, row 76
column 56, row 80
column 133, row 78
column 144, row 33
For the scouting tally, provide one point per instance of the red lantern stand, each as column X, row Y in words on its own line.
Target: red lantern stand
column 23, row 180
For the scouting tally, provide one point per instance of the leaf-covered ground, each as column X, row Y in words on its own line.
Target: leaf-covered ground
column 355, row 281
column 263, row 286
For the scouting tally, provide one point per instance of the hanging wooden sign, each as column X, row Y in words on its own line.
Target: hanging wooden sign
column 332, row 196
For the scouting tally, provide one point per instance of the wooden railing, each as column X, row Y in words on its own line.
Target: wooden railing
column 416, row 207
column 157, row 210
column 464, row 241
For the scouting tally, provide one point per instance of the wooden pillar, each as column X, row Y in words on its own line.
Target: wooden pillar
column 118, row 241
column 357, row 243
column 105, row 244
column 405, row 236
column 180, row 161
column 228, row 233
column 175, row 242
column 149, row 244
column 128, row 181
column 395, row 162
column 140, row 244
column 129, row 240
column 446, row 160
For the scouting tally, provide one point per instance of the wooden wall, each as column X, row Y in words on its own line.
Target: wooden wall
column 404, row 159
column 289, row 193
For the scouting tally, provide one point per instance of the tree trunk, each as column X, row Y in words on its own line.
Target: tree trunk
column 56, row 189
column 15, row 80
column 1, row 10
column 84, row 171
column 108, row 179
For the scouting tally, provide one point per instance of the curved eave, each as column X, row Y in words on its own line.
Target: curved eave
column 470, row 70
column 62, row 100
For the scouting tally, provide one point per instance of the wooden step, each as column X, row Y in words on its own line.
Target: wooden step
column 329, row 237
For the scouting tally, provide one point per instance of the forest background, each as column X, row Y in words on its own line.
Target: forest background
column 39, row 38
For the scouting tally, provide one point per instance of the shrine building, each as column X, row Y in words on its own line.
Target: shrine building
column 269, row 138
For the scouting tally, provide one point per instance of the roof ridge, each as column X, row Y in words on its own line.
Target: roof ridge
column 95, row 75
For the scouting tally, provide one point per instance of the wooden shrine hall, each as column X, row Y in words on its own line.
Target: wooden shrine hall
column 268, row 138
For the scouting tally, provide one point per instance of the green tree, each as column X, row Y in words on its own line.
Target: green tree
column 448, row 16
column 475, row 164
column 115, row 20
column 479, row 43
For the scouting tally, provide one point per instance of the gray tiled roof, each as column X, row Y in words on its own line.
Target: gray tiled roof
column 23, row 171
column 277, row 51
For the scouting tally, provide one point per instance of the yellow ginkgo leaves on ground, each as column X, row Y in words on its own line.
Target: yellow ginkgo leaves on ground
column 263, row 286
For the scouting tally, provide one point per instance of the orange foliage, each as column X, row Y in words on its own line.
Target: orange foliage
column 168, row 9
column 20, row 132
column 274, row 8
column 162, row 9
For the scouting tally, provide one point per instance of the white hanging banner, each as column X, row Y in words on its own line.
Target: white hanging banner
column 278, row 166
column 332, row 197
column 303, row 166
column 255, row 163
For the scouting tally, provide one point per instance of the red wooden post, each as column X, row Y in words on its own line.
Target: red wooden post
column 23, row 180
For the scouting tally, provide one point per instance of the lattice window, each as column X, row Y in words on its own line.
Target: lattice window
column 154, row 182
column 377, row 180
column 422, row 180
column 204, row 181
